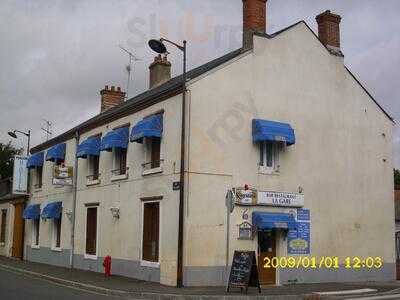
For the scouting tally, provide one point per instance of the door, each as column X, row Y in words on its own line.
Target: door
column 266, row 248
column 18, row 234
column 151, row 234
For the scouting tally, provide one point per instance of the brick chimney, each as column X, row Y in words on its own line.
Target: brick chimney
column 254, row 20
column 160, row 71
column 329, row 31
column 111, row 97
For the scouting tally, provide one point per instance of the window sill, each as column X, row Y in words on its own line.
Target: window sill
column 56, row 249
column 35, row 246
column 89, row 256
column 119, row 177
column 152, row 171
column 37, row 190
column 267, row 171
column 149, row 264
column 92, row 182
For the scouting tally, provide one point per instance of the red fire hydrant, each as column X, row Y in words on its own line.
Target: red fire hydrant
column 107, row 266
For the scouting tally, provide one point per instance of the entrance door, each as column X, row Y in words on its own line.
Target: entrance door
column 18, row 234
column 266, row 248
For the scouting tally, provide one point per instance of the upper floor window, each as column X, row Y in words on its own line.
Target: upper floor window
column 149, row 132
column 56, row 154
column 93, row 167
column 38, row 177
column 89, row 149
column 120, row 155
column 272, row 137
column 269, row 157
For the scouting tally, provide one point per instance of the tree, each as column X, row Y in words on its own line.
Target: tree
column 7, row 152
column 397, row 177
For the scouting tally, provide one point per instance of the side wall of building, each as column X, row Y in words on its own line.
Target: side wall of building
column 342, row 159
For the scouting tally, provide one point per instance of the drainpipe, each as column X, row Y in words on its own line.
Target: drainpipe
column 74, row 192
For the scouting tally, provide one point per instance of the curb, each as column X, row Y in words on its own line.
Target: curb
column 149, row 295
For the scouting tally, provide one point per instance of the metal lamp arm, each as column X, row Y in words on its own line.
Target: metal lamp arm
column 24, row 133
column 182, row 48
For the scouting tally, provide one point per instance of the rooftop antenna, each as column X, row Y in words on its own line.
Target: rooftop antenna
column 47, row 129
column 132, row 58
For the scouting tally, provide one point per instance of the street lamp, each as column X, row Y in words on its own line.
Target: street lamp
column 27, row 134
column 159, row 47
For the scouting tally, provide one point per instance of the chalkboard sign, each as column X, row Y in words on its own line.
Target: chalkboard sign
column 244, row 272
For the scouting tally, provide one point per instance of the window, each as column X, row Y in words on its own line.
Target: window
column 153, row 153
column 3, row 225
column 91, row 231
column 151, row 221
column 35, row 232
column 93, row 167
column 57, row 232
column 119, row 161
column 59, row 162
column 269, row 157
column 39, row 177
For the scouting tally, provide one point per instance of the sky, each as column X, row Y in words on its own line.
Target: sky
column 56, row 56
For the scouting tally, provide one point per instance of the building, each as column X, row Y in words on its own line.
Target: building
column 11, row 221
column 282, row 117
column 397, row 220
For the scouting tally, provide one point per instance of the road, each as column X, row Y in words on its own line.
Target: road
column 15, row 286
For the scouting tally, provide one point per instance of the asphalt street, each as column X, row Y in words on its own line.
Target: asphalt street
column 15, row 286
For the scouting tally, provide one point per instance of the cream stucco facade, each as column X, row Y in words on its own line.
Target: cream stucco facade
column 342, row 162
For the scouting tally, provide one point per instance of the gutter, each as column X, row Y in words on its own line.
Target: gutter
column 75, row 189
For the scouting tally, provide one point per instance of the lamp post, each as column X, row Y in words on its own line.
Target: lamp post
column 159, row 47
column 27, row 134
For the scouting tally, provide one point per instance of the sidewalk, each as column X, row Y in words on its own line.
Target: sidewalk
column 128, row 287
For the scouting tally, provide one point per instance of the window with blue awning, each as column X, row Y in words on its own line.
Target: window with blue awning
column 267, row 220
column 90, row 146
column 264, row 130
column 117, row 138
column 35, row 160
column 31, row 212
column 56, row 153
column 150, row 127
column 52, row 210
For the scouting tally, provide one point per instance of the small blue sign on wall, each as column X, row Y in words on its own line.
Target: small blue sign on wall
column 303, row 214
column 299, row 239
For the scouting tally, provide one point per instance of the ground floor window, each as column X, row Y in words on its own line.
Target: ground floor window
column 57, row 232
column 91, row 231
column 35, row 232
column 151, row 231
column 3, row 225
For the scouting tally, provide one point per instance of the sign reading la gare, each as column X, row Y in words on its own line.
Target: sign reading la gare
column 254, row 197
column 280, row 199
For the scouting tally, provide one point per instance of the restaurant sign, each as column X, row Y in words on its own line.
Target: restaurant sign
column 253, row 197
column 280, row 199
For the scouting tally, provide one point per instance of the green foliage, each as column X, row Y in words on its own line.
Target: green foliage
column 396, row 177
column 7, row 152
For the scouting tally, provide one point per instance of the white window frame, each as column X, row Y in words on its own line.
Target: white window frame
column 37, row 180
column 146, row 263
column 54, row 235
column 147, row 157
column 116, row 165
column 34, row 234
column 276, row 148
column 91, row 256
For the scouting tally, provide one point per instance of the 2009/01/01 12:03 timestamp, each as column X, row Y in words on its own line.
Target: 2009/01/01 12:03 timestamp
column 328, row 262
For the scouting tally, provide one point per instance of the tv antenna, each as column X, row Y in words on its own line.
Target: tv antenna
column 47, row 129
column 132, row 58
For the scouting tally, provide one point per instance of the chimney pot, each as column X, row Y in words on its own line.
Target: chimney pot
column 254, row 20
column 111, row 97
column 329, row 30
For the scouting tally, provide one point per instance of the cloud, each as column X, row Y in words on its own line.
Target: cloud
column 57, row 55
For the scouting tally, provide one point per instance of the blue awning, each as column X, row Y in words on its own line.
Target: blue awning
column 32, row 212
column 264, row 130
column 56, row 153
column 117, row 138
column 35, row 160
column 90, row 146
column 267, row 220
column 52, row 210
column 148, row 127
